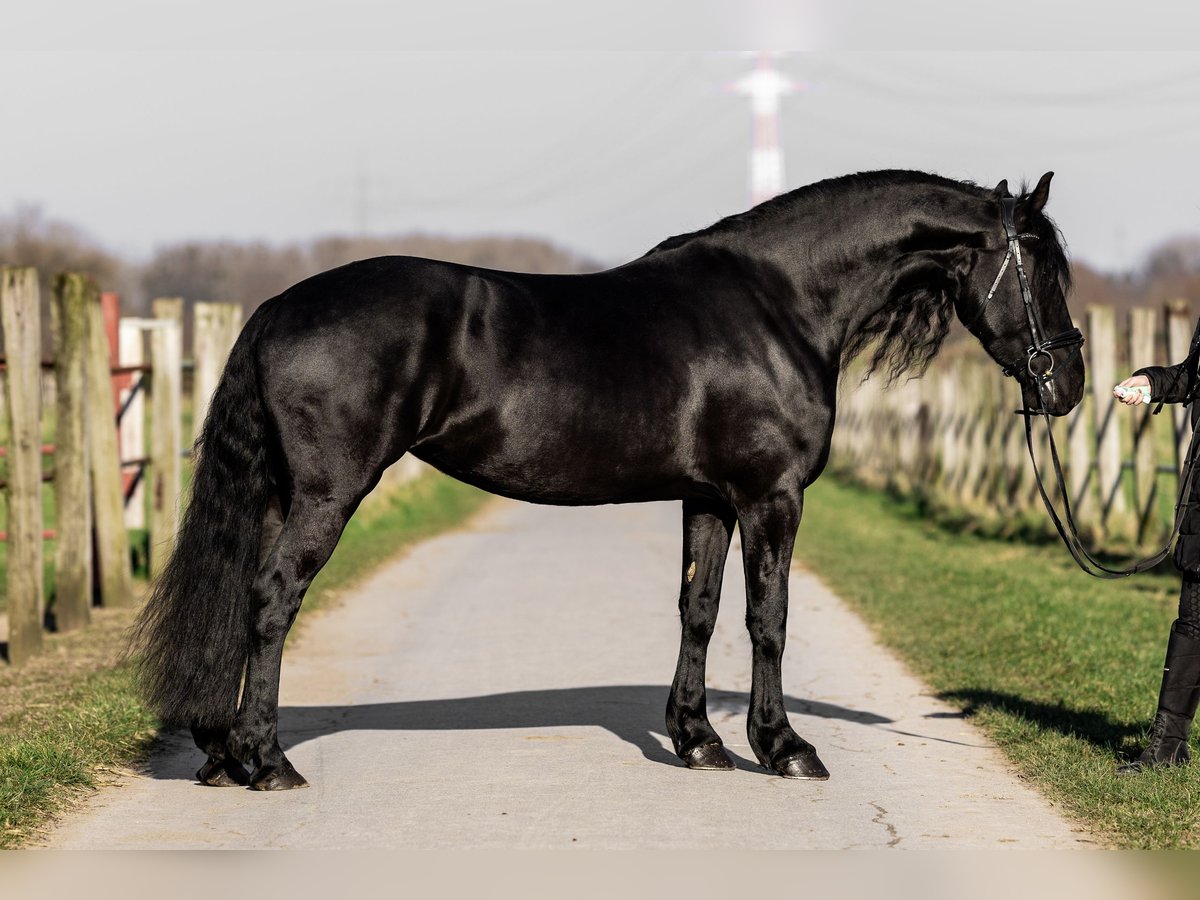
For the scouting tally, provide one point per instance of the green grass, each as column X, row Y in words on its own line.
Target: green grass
column 73, row 715
column 1060, row 669
column 66, row 718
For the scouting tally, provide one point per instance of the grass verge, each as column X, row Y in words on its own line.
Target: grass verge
column 72, row 717
column 1060, row 669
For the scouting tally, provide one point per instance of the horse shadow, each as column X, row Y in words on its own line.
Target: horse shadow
column 633, row 713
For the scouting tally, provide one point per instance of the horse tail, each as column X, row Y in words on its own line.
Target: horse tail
column 193, row 634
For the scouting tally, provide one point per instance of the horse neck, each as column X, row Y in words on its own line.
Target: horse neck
column 848, row 257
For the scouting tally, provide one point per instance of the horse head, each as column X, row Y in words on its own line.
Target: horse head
column 1014, row 301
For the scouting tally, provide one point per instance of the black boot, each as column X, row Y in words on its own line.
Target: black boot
column 1177, row 700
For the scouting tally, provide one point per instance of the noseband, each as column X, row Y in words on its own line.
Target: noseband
column 1041, row 349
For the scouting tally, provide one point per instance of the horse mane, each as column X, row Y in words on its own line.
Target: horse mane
column 909, row 330
column 778, row 207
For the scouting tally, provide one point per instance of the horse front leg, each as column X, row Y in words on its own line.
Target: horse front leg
column 707, row 528
column 768, row 535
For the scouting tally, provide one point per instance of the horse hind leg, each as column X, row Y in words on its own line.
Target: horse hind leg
column 707, row 529
column 222, row 769
column 306, row 541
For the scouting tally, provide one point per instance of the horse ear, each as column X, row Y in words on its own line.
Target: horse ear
column 1002, row 188
column 1037, row 200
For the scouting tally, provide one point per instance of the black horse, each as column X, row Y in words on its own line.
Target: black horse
column 704, row 371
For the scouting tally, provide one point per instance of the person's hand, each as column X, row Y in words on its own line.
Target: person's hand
column 1132, row 398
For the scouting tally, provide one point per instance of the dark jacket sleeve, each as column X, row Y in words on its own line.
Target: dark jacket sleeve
column 1174, row 384
column 1170, row 384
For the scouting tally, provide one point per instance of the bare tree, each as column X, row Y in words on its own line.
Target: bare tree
column 1177, row 256
column 250, row 273
column 28, row 238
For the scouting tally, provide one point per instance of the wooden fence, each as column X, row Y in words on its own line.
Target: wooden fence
column 87, row 411
column 99, row 368
column 952, row 437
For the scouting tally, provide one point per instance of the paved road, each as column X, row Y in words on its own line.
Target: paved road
column 504, row 685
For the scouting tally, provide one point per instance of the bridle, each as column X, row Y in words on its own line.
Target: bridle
column 1040, row 349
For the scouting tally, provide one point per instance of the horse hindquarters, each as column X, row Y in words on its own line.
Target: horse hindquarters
column 335, row 437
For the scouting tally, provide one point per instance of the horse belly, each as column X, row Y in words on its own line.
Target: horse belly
column 573, row 457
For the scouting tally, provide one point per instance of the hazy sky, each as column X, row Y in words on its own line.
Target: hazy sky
column 604, row 152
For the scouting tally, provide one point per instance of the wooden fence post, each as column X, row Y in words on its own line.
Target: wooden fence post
column 994, row 447
column 166, row 362
column 231, row 322
column 949, row 415
column 925, row 427
column 1009, row 447
column 168, row 308
column 1142, row 328
column 108, row 502
column 1079, row 468
column 20, row 315
column 1102, row 360
column 1180, row 324
column 965, row 401
column 205, row 368
column 981, row 412
column 166, row 353
column 215, row 329
column 72, row 485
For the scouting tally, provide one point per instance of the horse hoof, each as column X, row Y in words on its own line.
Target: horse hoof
column 223, row 773
column 277, row 778
column 805, row 765
column 709, row 758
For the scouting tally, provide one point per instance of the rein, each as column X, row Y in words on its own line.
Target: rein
column 1041, row 349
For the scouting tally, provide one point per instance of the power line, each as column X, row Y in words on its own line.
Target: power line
column 537, row 185
column 1001, row 92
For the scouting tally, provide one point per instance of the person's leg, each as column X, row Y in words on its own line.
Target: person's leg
column 1189, row 608
column 1180, row 691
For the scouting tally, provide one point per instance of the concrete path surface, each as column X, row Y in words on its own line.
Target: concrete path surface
column 504, row 686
